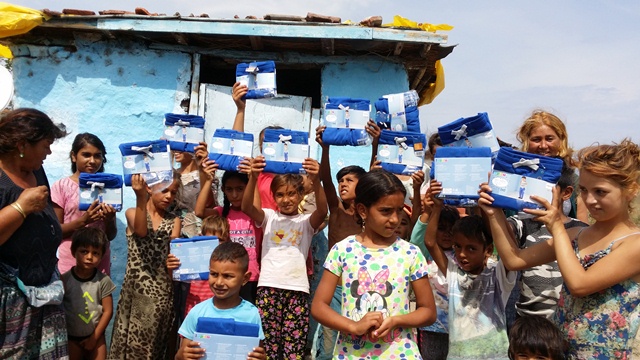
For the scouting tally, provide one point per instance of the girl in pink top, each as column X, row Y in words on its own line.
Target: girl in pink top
column 241, row 228
column 88, row 155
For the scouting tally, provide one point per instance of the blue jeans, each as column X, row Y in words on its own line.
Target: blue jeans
column 329, row 336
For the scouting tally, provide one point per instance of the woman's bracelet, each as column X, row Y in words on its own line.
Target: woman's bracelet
column 16, row 205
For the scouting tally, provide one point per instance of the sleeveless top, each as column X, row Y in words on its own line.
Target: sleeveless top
column 31, row 249
column 602, row 325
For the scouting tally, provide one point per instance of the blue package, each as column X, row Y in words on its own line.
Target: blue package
column 461, row 170
column 284, row 150
column 184, row 132
column 398, row 112
column 107, row 188
column 345, row 120
column 229, row 147
column 401, row 152
column 259, row 77
column 149, row 158
column 517, row 175
column 225, row 338
column 227, row 326
column 475, row 131
column 194, row 254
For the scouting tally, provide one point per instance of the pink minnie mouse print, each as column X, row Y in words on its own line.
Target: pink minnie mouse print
column 370, row 295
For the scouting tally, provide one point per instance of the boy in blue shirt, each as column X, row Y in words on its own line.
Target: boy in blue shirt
column 228, row 271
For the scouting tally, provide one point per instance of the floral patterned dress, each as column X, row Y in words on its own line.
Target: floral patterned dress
column 602, row 325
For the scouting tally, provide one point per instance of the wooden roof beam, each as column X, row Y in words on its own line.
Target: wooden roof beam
column 256, row 43
column 425, row 50
column 398, row 49
column 328, row 46
column 180, row 39
column 418, row 78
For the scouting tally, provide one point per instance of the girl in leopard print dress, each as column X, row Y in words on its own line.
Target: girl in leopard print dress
column 145, row 308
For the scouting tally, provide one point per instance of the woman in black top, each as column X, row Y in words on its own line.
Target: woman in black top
column 29, row 236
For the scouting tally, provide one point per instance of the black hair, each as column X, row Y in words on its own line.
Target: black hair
column 448, row 216
column 82, row 140
column 434, row 140
column 28, row 125
column 568, row 176
column 536, row 335
column 89, row 236
column 473, row 227
column 232, row 252
column 226, row 176
column 375, row 185
column 356, row 170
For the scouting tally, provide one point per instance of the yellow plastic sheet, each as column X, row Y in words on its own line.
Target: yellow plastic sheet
column 16, row 20
column 5, row 52
column 427, row 95
column 399, row 21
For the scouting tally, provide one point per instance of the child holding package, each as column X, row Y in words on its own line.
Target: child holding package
column 88, row 303
column 145, row 309
column 376, row 269
column 598, row 311
column 477, row 293
column 283, row 287
column 434, row 339
column 241, row 228
column 228, row 271
column 540, row 285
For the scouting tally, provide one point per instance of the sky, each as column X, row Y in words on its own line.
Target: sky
column 576, row 59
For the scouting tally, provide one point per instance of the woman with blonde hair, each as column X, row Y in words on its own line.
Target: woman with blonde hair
column 543, row 133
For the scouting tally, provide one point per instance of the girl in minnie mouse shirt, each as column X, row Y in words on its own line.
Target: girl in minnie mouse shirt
column 376, row 269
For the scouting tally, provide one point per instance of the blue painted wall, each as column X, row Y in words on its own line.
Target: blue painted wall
column 369, row 79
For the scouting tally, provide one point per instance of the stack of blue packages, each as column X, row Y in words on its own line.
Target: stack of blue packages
column 517, row 175
column 345, row 120
column 285, row 150
column 149, row 158
column 107, row 188
column 259, row 77
column 401, row 152
column 475, row 131
column 461, row 170
column 229, row 147
column 398, row 112
column 184, row 132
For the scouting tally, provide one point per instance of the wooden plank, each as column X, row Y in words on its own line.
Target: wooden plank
column 256, row 43
column 327, row 46
column 398, row 49
column 195, row 85
column 425, row 50
column 205, row 26
column 415, row 36
column 418, row 78
column 181, row 39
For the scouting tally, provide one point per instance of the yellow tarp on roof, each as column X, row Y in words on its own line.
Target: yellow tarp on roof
column 399, row 21
column 16, row 20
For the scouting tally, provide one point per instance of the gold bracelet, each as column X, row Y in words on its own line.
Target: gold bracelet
column 16, row 205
